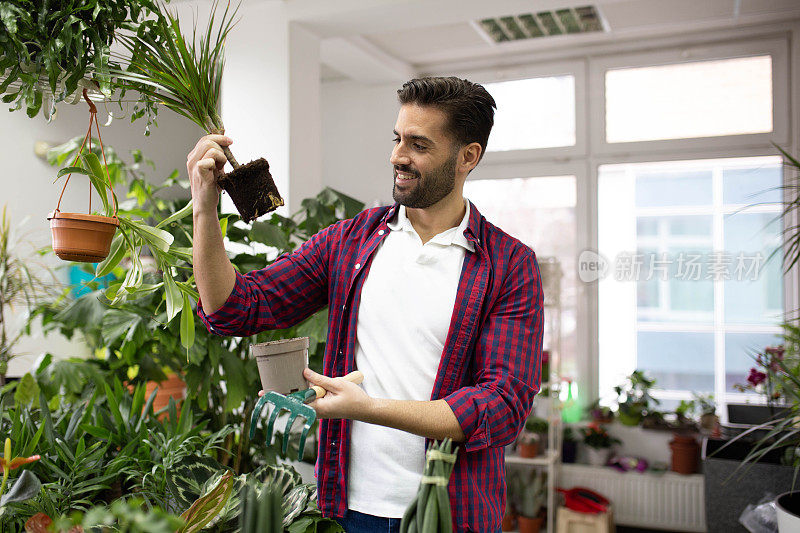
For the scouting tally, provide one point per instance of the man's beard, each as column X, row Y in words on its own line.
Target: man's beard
column 429, row 188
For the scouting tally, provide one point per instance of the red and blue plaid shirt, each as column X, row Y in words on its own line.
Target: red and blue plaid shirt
column 490, row 367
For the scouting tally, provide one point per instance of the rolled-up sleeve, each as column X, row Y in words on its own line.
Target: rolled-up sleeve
column 284, row 293
column 508, row 359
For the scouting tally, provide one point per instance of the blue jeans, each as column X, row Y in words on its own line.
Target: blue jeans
column 355, row 522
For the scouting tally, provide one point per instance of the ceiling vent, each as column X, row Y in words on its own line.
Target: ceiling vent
column 584, row 19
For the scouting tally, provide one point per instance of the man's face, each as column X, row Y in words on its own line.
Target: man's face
column 424, row 157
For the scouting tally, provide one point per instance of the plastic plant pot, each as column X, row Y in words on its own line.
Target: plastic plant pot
column 281, row 364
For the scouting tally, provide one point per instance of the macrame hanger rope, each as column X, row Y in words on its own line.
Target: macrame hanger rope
column 87, row 141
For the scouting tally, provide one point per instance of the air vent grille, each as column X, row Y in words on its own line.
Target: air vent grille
column 584, row 19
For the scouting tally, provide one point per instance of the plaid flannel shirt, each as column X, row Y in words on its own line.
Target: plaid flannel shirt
column 490, row 367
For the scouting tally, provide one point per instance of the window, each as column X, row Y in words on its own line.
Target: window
column 541, row 213
column 689, row 100
column 690, row 294
column 623, row 125
column 533, row 113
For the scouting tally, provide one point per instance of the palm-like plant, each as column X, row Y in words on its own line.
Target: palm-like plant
column 791, row 235
column 185, row 76
column 20, row 285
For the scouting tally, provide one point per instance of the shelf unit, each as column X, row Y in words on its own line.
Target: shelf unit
column 548, row 404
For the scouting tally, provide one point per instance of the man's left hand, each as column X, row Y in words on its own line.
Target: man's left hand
column 343, row 399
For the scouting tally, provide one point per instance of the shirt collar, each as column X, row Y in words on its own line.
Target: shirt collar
column 400, row 222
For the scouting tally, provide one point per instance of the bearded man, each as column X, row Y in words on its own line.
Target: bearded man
column 439, row 309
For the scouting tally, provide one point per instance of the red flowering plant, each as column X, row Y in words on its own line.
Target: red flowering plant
column 777, row 376
column 596, row 436
column 767, row 377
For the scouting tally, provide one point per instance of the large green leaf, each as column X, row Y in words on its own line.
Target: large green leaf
column 187, row 323
column 207, row 506
column 269, row 234
column 27, row 392
column 155, row 237
column 237, row 380
column 118, row 324
column 24, row 488
column 115, row 255
column 174, row 297
column 72, row 170
column 99, row 179
column 178, row 215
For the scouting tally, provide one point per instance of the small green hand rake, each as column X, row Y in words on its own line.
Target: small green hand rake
column 295, row 404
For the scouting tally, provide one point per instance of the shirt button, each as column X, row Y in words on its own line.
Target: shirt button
column 344, row 307
column 381, row 232
column 358, row 265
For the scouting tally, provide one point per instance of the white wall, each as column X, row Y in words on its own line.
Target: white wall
column 357, row 124
column 270, row 98
column 28, row 189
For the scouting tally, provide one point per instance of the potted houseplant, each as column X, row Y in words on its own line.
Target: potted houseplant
column 141, row 233
column 709, row 421
column 600, row 413
column 86, row 237
column 531, row 437
column 760, row 380
column 598, row 444
column 185, row 75
column 531, row 494
column 634, row 399
column 528, row 444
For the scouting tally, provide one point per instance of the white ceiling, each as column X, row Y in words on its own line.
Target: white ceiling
column 384, row 41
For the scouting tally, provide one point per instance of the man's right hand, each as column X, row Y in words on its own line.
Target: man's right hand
column 212, row 269
column 204, row 164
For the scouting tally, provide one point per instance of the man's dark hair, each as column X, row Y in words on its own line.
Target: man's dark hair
column 468, row 106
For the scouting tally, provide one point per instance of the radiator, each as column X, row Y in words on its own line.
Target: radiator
column 669, row 501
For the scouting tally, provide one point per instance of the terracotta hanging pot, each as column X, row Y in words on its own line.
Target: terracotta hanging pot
column 84, row 237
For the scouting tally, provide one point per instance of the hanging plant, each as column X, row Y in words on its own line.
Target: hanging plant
column 85, row 237
column 48, row 49
column 105, row 248
column 185, row 75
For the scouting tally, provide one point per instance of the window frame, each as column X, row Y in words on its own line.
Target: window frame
column 577, row 69
column 583, row 160
column 776, row 47
column 717, row 327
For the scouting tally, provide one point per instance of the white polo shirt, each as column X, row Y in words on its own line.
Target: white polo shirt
column 403, row 319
